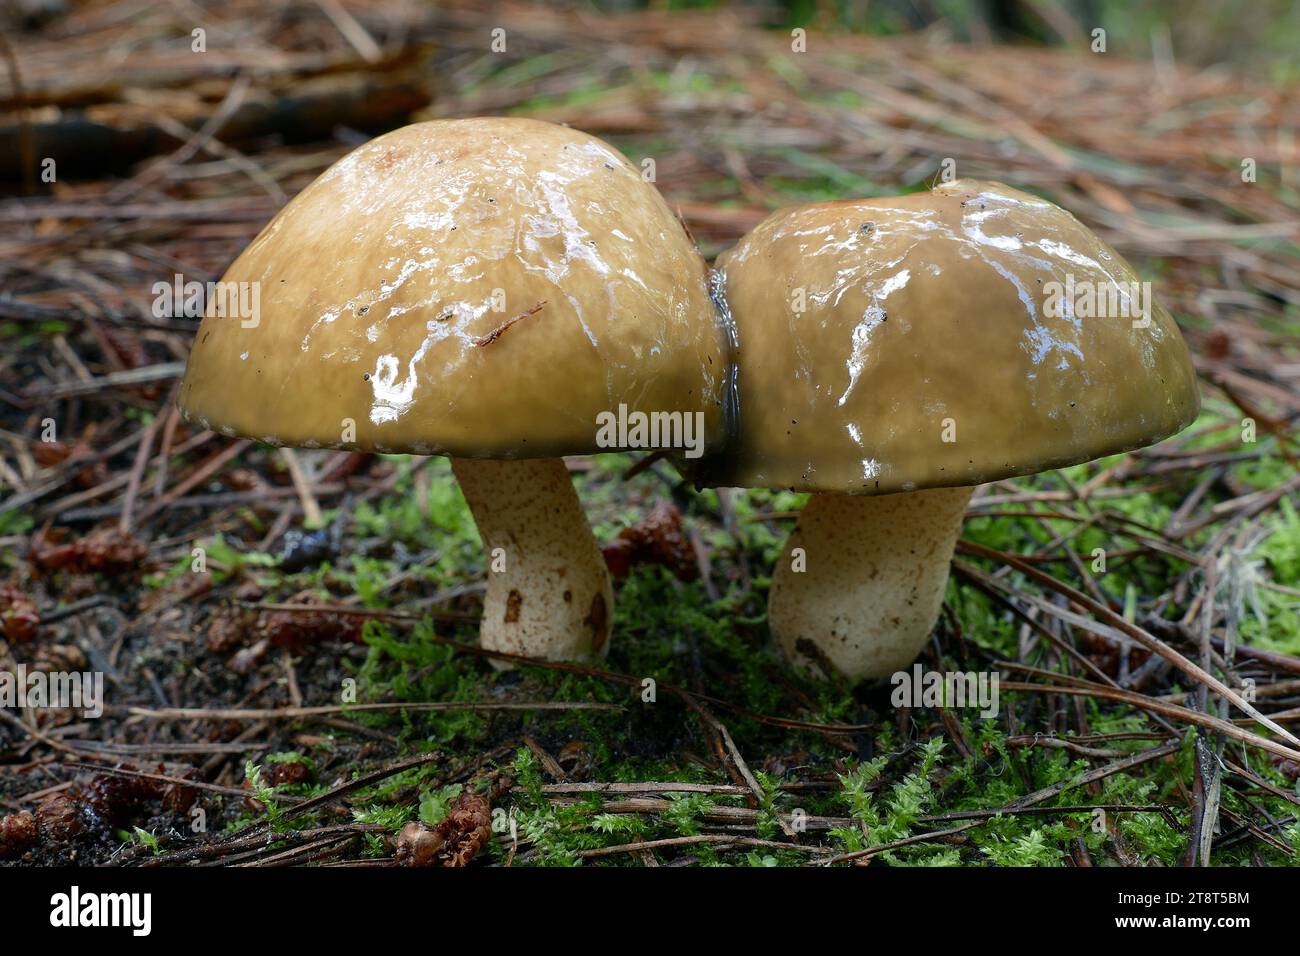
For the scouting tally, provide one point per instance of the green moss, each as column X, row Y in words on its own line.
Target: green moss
column 900, row 785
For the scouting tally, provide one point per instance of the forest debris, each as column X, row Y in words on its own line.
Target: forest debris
column 289, row 773
column 59, row 658
column 417, row 845
column 500, row 330
column 97, row 807
column 347, row 465
column 1106, row 652
column 248, row 659
column 296, row 630
column 226, row 630
column 125, row 345
column 466, row 830
column 281, row 773
column 179, row 591
column 110, row 135
column 257, row 633
column 1287, row 768
column 781, row 764
column 306, row 548
column 106, row 551
column 49, row 454
column 110, row 799
column 19, row 616
column 18, row 834
column 455, row 841
column 576, row 760
column 1217, row 345
column 655, row 539
column 58, row 819
column 243, row 479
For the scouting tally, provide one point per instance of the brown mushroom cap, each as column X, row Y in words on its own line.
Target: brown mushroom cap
column 377, row 286
column 929, row 308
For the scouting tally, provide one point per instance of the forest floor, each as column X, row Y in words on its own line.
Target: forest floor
column 230, row 734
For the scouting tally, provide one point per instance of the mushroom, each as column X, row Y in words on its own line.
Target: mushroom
column 484, row 289
column 893, row 353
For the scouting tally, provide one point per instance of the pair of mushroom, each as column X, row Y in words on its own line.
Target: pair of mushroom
column 495, row 289
column 489, row 290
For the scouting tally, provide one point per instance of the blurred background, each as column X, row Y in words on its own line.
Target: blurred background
column 181, row 126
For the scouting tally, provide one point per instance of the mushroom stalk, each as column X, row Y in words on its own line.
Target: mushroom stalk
column 865, row 590
column 548, row 590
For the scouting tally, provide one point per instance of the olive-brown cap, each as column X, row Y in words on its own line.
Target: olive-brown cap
column 479, row 288
column 940, row 339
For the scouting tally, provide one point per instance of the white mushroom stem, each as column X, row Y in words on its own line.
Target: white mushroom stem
column 548, row 590
column 865, row 589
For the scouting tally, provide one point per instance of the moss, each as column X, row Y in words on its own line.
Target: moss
column 893, row 782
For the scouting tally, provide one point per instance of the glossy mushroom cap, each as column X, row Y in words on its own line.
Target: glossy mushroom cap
column 872, row 331
column 478, row 288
